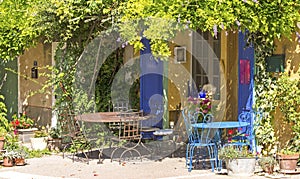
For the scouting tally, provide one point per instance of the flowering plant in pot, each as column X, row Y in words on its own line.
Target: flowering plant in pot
column 23, row 127
column 55, row 139
column 239, row 162
column 8, row 158
column 20, row 156
column 288, row 160
column 203, row 105
column 39, row 141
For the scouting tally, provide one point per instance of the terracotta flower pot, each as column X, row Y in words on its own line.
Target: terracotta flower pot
column 288, row 162
column 7, row 162
column 269, row 169
column 19, row 161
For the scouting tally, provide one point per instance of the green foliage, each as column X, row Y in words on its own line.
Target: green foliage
column 79, row 144
column 41, row 133
column 267, row 161
column 9, row 154
column 287, row 151
column 105, row 79
column 18, row 30
column 11, row 142
column 288, row 98
column 21, row 153
column 36, row 153
column 265, row 94
column 231, row 153
column 55, row 133
column 22, row 121
column 4, row 124
column 271, row 19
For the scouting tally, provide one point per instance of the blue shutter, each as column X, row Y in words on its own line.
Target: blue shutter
column 151, row 80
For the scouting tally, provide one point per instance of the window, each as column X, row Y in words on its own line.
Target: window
column 180, row 54
column 205, row 62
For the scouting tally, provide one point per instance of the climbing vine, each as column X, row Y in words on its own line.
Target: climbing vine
column 265, row 94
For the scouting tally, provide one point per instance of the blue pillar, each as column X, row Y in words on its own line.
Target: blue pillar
column 151, row 80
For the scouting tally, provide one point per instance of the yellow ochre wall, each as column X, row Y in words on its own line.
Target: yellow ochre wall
column 180, row 74
column 291, row 49
column 176, row 72
column 228, row 64
column 36, row 104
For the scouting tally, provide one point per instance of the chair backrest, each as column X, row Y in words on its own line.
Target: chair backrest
column 189, row 119
column 120, row 106
column 130, row 125
column 213, row 134
column 247, row 116
column 205, row 135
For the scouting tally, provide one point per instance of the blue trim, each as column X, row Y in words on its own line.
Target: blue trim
column 245, row 91
column 151, row 81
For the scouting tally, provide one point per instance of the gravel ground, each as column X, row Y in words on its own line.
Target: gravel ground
column 54, row 167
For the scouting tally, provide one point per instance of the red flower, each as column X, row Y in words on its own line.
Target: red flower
column 230, row 131
column 17, row 122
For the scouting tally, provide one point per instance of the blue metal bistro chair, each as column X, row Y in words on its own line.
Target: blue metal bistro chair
column 245, row 136
column 199, row 139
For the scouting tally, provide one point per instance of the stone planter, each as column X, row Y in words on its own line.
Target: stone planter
column 39, row 143
column 240, row 167
column 287, row 162
column 26, row 134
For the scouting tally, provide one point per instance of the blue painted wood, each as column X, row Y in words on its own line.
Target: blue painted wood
column 245, row 91
column 151, row 79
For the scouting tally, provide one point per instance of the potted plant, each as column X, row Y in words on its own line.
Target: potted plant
column 8, row 158
column 23, row 127
column 267, row 163
column 239, row 162
column 20, row 156
column 39, row 140
column 288, row 99
column 55, row 139
column 287, row 160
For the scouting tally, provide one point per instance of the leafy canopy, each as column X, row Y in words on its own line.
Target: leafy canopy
column 23, row 22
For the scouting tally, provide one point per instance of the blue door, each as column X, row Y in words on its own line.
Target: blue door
column 151, row 83
column 246, row 75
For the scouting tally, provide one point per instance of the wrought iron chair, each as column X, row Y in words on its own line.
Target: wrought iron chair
column 199, row 138
column 154, row 123
column 130, row 134
column 245, row 135
column 73, row 139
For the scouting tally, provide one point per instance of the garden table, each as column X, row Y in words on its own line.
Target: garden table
column 117, row 122
column 221, row 125
column 105, row 117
